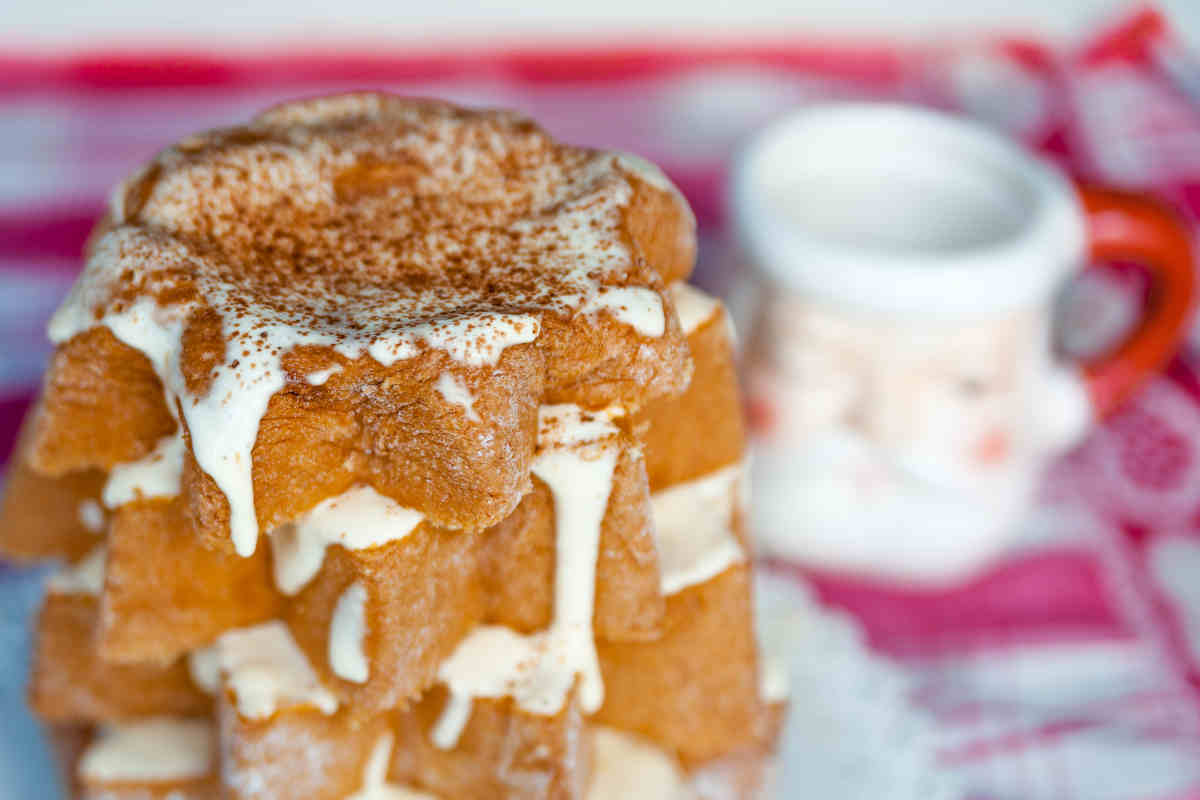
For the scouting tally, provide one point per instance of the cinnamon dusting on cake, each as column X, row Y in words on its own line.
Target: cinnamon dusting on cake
column 368, row 224
column 368, row 213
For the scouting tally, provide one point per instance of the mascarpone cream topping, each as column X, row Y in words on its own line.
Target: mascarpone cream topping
column 85, row 577
column 266, row 671
column 153, row 750
column 693, row 525
column 576, row 459
column 358, row 519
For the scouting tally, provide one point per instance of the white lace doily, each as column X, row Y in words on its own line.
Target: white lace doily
column 852, row 731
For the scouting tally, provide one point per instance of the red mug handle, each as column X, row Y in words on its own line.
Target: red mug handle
column 1125, row 226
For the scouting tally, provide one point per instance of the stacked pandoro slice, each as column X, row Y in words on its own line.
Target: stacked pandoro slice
column 389, row 456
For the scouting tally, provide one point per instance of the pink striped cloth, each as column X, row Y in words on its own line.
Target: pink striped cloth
column 1072, row 669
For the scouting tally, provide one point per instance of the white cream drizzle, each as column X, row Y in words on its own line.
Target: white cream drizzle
column 625, row 766
column 358, row 519
column 204, row 668
column 494, row 661
column 693, row 306
column 579, row 230
column 457, row 711
column 91, row 516
column 347, row 635
column 224, row 421
column 640, row 309
column 319, row 377
column 156, row 475
column 576, row 459
column 375, row 785
column 266, row 671
column 85, row 577
column 774, row 682
column 648, row 171
column 455, row 392
column 693, row 524
column 564, row 426
column 149, row 751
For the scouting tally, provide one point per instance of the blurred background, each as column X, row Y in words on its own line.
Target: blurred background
column 1067, row 668
column 226, row 23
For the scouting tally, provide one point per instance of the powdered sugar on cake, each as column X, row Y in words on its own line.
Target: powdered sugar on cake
column 368, row 225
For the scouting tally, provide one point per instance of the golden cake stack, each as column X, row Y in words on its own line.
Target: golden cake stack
column 389, row 455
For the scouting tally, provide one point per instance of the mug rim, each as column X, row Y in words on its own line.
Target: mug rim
column 1023, row 268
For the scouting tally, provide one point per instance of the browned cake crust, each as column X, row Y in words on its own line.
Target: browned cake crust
column 166, row 594
column 698, row 432
column 296, row 754
column 695, row 690
column 102, row 405
column 503, row 753
column 72, row 684
column 67, row 742
column 43, row 517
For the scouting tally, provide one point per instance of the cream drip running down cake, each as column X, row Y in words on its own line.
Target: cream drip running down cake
column 388, row 455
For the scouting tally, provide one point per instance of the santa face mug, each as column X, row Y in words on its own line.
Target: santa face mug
column 905, row 395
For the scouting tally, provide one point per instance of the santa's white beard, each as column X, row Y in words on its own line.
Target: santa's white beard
column 836, row 502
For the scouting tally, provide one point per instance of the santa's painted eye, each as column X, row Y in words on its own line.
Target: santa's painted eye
column 973, row 387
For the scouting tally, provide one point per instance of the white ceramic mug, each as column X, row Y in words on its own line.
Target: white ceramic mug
column 904, row 392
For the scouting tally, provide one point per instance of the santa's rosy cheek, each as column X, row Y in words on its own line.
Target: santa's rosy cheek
column 992, row 448
column 760, row 414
